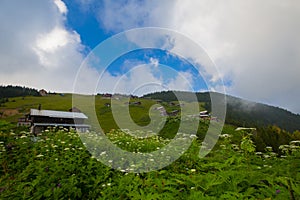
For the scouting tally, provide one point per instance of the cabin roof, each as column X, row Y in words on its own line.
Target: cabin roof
column 57, row 114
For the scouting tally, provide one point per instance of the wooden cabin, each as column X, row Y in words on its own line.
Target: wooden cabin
column 42, row 119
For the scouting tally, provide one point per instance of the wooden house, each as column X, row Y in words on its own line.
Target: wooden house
column 24, row 121
column 42, row 119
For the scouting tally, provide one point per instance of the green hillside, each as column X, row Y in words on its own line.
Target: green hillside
column 241, row 112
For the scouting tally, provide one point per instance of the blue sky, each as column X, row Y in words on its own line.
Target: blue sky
column 253, row 50
column 85, row 24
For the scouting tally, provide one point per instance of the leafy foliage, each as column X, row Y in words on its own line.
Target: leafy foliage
column 56, row 165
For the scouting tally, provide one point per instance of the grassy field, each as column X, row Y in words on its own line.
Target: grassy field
column 19, row 106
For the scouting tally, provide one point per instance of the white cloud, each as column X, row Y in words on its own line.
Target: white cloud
column 36, row 48
column 49, row 46
column 182, row 82
column 61, row 6
column 154, row 61
column 141, row 79
column 255, row 44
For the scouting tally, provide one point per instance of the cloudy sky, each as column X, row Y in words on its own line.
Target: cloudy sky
column 254, row 45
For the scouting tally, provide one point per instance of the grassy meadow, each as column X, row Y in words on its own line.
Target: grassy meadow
column 57, row 165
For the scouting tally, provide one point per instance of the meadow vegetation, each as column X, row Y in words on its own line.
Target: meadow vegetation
column 56, row 165
column 260, row 164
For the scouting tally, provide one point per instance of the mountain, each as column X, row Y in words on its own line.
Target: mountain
column 240, row 112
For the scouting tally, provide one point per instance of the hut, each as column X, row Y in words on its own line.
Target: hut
column 42, row 119
column 43, row 92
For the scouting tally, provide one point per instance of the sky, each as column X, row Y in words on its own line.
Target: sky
column 250, row 49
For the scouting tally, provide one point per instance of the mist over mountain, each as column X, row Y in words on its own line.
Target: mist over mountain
column 240, row 112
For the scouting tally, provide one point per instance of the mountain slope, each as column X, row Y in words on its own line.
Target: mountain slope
column 241, row 112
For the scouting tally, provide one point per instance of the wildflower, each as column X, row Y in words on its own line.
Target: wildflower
column 193, row 136
column 277, row 191
column 108, row 184
column 267, row 156
column 110, row 161
column 193, row 170
column 295, row 142
column 40, row 155
column 269, row 148
column 225, row 136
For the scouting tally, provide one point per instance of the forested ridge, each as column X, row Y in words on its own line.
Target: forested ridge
column 240, row 112
column 16, row 91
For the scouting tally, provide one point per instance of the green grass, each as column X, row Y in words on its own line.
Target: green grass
column 138, row 113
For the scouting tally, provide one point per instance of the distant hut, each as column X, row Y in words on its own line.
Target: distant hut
column 173, row 113
column 43, row 92
column 204, row 114
column 137, row 103
column 106, row 96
